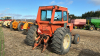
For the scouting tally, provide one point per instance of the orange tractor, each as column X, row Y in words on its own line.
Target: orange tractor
column 53, row 28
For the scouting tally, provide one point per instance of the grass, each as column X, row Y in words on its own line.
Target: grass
column 1, row 42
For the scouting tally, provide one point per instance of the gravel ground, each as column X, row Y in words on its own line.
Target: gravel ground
column 89, row 44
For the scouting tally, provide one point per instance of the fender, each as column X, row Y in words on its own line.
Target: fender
column 25, row 26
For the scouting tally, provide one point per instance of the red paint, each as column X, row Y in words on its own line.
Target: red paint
column 8, row 20
column 21, row 27
column 28, row 27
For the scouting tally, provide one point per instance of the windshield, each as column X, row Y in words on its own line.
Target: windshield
column 58, row 15
column 7, row 17
column 46, row 15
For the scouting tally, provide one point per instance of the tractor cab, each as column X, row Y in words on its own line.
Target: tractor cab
column 7, row 18
column 49, row 18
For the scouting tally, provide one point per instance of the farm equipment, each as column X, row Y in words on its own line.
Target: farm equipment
column 93, row 23
column 6, row 21
column 89, row 23
column 27, row 26
column 78, row 23
column 53, row 28
column 17, row 25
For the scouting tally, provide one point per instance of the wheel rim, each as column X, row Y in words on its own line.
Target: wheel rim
column 21, row 27
column 75, row 27
column 66, row 41
column 78, row 39
column 91, row 28
column 97, row 28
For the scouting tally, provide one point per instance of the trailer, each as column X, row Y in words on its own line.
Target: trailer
column 90, row 23
column 78, row 23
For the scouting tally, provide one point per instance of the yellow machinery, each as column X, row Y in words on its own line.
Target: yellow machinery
column 27, row 26
column 17, row 25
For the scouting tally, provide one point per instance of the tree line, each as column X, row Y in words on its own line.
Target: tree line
column 87, row 14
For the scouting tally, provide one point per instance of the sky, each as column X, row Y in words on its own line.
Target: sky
column 21, row 9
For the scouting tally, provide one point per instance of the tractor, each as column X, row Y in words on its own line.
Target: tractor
column 7, row 20
column 52, row 29
column 17, row 25
column 93, row 23
column 27, row 26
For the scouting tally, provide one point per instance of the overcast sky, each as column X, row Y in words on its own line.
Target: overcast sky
column 21, row 9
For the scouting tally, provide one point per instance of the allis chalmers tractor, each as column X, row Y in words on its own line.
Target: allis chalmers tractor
column 27, row 26
column 53, row 28
column 17, row 25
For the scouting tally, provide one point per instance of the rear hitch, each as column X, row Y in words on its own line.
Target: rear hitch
column 38, row 42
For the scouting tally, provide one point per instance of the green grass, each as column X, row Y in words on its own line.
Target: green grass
column 1, row 42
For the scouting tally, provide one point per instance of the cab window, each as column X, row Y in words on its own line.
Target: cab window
column 46, row 15
column 64, row 16
column 58, row 15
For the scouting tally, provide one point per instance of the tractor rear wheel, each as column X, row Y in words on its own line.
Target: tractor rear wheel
column 61, row 41
column 20, row 26
column 31, row 35
column 11, row 26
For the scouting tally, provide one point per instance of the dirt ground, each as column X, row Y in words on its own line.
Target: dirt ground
column 89, row 44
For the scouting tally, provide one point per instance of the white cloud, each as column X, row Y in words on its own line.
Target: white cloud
column 60, row 3
column 7, row 8
column 29, row 16
column 1, row 14
column 70, row 3
column 96, row 2
column 53, row 2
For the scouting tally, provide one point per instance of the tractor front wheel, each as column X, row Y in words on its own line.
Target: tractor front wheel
column 31, row 36
column 61, row 41
column 76, row 39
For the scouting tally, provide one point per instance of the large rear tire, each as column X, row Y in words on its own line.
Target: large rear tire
column 20, row 26
column 61, row 41
column 31, row 36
